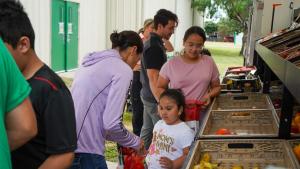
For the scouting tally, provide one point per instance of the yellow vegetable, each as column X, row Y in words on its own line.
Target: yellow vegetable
column 237, row 167
column 206, row 157
column 197, row 166
column 207, row 165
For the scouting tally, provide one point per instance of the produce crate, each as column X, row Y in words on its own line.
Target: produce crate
column 241, row 123
column 225, row 90
column 240, row 80
column 247, row 153
column 240, row 69
column 242, row 101
column 292, row 144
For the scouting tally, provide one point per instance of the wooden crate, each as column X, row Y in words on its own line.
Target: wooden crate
column 242, row 101
column 247, row 153
column 292, row 144
column 242, row 123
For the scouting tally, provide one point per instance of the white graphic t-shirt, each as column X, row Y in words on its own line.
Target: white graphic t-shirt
column 168, row 141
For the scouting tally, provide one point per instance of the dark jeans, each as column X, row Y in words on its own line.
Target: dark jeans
column 88, row 161
column 137, row 104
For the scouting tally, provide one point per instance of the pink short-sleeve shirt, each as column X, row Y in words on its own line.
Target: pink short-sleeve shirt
column 193, row 79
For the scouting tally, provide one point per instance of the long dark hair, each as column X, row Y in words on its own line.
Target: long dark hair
column 126, row 39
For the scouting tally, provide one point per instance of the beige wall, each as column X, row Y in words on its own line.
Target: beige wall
column 39, row 14
column 296, row 4
column 185, row 16
column 98, row 19
column 92, row 30
column 282, row 17
column 122, row 15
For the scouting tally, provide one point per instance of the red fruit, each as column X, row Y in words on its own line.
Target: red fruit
column 223, row 131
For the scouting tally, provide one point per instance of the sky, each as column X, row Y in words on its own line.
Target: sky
column 219, row 14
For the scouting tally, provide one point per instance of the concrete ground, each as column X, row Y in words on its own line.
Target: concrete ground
column 111, row 165
column 70, row 74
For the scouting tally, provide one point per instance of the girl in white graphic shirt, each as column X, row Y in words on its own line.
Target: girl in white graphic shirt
column 171, row 136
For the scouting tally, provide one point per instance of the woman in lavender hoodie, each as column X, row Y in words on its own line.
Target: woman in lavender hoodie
column 99, row 91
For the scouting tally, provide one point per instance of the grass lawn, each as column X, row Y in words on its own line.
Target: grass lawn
column 224, row 54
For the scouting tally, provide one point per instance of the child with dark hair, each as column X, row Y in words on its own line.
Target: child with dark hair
column 171, row 136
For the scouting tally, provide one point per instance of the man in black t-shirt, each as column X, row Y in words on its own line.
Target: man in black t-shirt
column 154, row 56
column 55, row 143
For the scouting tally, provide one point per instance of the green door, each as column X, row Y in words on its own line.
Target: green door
column 72, row 35
column 58, row 35
column 64, row 35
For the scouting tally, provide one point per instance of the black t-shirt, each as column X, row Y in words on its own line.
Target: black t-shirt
column 154, row 56
column 54, row 109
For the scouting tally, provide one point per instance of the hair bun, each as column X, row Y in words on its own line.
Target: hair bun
column 114, row 38
column 118, row 39
column 126, row 39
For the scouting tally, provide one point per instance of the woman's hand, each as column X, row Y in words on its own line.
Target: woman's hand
column 137, row 67
column 141, row 150
column 166, row 163
column 206, row 99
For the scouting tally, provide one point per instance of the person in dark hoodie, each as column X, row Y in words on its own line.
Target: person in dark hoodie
column 99, row 91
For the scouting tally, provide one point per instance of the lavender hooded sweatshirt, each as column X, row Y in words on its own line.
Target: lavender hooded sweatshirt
column 99, row 91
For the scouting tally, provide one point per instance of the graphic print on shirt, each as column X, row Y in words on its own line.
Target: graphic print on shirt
column 161, row 142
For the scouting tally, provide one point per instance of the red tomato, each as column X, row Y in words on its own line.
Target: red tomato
column 223, row 131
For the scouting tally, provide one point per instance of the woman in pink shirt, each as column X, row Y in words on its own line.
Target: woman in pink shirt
column 194, row 73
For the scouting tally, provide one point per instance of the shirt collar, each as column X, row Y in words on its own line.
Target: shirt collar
column 156, row 37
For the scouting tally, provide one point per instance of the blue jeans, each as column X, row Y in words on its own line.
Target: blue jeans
column 88, row 161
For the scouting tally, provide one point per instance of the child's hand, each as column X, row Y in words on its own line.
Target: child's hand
column 142, row 150
column 166, row 163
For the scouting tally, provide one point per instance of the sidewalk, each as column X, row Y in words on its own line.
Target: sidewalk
column 70, row 74
column 111, row 165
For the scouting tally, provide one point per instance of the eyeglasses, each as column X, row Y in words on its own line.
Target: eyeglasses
column 195, row 45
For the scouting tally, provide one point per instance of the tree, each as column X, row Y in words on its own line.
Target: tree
column 228, row 26
column 236, row 10
column 210, row 27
